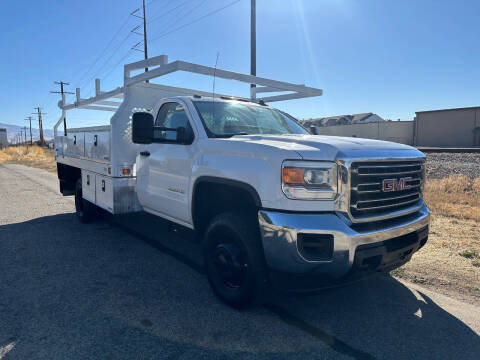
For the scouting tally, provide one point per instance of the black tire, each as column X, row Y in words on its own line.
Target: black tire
column 234, row 260
column 85, row 210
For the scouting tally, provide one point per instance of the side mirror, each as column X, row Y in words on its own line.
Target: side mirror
column 313, row 130
column 184, row 136
column 142, row 128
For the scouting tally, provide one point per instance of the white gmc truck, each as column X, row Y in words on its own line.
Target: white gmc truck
column 267, row 198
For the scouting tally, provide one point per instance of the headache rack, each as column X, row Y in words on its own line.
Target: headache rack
column 159, row 66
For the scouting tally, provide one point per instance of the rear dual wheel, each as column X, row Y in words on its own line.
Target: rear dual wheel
column 234, row 260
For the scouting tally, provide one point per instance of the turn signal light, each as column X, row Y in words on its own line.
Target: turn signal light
column 293, row 175
column 126, row 171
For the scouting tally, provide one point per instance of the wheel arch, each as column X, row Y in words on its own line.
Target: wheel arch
column 230, row 195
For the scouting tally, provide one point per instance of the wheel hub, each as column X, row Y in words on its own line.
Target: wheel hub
column 230, row 265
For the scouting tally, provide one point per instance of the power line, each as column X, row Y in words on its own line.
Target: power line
column 133, row 31
column 168, row 12
column 101, row 69
column 115, row 50
column 118, row 63
column 102, row 53
column 181, row 16
column 195, row 20
column 108, row 60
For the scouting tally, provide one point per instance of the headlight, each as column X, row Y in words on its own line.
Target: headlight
column 309, row 180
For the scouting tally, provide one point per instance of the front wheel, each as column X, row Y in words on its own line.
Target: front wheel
column 85, row 210
column 234, row 260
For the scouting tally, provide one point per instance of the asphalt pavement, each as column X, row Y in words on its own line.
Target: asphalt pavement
column 134, row 288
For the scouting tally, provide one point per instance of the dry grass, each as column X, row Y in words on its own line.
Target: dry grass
column 457, row 196
column 29, row 155
column 450, row 261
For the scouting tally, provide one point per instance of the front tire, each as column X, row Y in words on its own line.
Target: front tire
column 234, row 260
column 85, row 210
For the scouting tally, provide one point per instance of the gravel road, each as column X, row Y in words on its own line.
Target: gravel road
column 440, row 165
column 97, row 291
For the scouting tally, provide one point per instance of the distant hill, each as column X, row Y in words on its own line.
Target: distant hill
column 13, row 130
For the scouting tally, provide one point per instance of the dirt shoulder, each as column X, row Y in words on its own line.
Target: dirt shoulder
column 450, row 261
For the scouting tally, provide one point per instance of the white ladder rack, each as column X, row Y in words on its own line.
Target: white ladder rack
column 159, row 66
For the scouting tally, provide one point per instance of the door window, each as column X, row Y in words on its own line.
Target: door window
column 171, row 115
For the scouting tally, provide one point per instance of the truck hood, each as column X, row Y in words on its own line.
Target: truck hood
column 318, row 147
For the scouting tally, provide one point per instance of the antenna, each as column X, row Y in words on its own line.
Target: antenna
column 214, row 75
column 213, row 90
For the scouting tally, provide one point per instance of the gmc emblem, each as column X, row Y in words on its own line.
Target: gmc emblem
column 389, row 185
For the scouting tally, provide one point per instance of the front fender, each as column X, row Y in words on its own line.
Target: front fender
column 259, row 168
column 258, row 165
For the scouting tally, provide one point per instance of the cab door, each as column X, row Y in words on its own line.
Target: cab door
column 165, row 169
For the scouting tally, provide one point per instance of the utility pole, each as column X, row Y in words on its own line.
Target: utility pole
column 30, row 120
column 21, row 137
column 134, row 30
column 40, row 124
column 62, row 92
column 25, row 133
column 145, row 35
column 253, row 40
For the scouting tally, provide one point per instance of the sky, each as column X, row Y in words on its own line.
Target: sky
column 389, row 57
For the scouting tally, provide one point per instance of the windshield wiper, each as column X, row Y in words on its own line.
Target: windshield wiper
column 230, row 135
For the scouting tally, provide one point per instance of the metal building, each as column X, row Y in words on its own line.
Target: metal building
column 450, row 127
column 3, row 138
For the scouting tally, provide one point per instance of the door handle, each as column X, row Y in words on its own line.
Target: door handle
column 145, row 153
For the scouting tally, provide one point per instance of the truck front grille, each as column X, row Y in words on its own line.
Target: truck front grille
column 380, row 188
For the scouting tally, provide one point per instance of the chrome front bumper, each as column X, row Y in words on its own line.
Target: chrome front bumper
column 279, row 235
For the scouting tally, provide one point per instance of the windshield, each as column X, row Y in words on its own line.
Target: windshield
column 224, row 119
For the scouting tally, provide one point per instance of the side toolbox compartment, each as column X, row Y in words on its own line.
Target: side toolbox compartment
column 104, row 192
column 88, row 186
column 75, row 144
column 97, row 144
